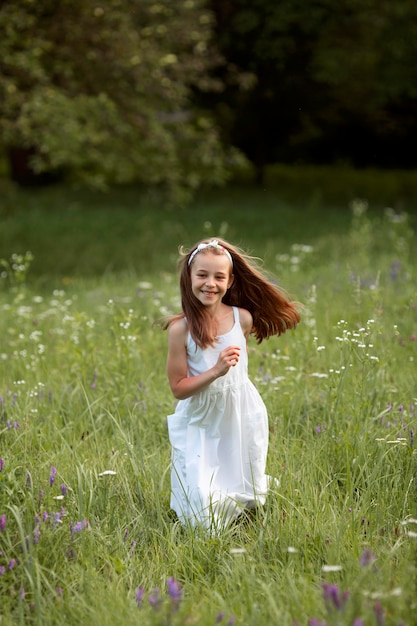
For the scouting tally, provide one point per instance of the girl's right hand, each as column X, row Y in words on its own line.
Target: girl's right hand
column 228, row 358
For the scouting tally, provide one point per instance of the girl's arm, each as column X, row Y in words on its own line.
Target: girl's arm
column 182, row 385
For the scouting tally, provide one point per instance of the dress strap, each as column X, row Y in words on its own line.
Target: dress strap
column 236, row 314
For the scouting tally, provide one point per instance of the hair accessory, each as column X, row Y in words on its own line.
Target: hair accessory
column 211, row 244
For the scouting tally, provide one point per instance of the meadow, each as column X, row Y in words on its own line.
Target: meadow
column 86, row 535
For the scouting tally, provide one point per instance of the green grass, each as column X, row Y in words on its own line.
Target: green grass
column 83, row 389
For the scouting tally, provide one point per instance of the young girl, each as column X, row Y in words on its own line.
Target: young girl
column 219, row 431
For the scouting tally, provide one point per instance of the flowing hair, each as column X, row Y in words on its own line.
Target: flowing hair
column 270, row 306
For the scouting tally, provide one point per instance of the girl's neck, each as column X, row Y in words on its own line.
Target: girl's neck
column 223, row 319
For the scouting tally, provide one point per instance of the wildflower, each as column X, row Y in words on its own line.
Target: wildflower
column 219, row 617
column 331, row 568
column 174, row 592
column 367, row 558
column 12, row 564
column 139, row 594
column 2, row 570
column 333, row 596
column 78, row 526
column 36, row 535
column 358, row 622
column 52, row 476
column 379, row 614
column 1, row 464
column 3, row 520
column 155, row 599
column 59, row 592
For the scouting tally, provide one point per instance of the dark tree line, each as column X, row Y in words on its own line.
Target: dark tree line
column 163, row 91
column 333, row 81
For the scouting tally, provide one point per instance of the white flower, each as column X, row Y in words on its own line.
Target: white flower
column 331, row 568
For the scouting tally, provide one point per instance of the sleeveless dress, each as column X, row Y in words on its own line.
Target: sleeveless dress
column 219, row 440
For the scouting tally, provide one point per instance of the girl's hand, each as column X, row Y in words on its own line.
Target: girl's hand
column 228, row 358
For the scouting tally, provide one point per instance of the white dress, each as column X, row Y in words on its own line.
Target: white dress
column 219, row 440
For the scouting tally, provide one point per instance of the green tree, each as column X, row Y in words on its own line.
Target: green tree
column 103, row 91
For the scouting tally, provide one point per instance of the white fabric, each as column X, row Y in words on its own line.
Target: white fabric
column 219, row 440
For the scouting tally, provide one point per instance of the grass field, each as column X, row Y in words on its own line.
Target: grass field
column 85, row 531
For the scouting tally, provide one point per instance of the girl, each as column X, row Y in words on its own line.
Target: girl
column 219, row 431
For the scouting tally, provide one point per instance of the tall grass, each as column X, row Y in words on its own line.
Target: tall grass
column 86, row 535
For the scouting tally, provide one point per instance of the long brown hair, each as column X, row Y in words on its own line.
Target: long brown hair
column 270, row 306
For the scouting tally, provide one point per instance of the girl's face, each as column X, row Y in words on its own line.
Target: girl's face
column 211, row 277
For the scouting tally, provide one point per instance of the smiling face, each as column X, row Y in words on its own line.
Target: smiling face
column 211, row 277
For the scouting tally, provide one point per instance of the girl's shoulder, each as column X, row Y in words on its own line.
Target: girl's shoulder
column 178, row 328
column 246, row 321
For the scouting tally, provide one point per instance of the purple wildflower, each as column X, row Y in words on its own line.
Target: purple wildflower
column 2, row 570
column 45, row 516
column 3, row 520
column 231, row 621
column 379, row 614
column 36, row 534
column 139, row 595
column 78, row 526
column 316, row 622
column 174, row 592
column 155, row 599
column 367, row 558
column 63, row 489
column 219, row 617
column 411, row 438
column 12, row 564
column 1, row 464
column 333, row 597
column 59, row 592
column 52, row 476
column 358, row 622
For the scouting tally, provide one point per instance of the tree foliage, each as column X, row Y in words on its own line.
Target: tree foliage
column 103, row 90
column 333, row 79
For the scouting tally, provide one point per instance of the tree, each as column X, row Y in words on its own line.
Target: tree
column 333, row 79
column 103, row 91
